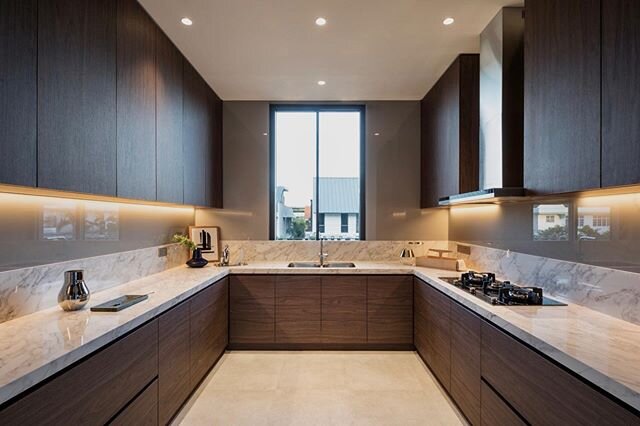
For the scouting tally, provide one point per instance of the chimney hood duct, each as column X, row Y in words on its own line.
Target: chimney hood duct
column 501, row 110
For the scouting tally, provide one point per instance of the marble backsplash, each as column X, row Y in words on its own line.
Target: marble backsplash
column 266, row 251
column 610, row 291
column 27, row 290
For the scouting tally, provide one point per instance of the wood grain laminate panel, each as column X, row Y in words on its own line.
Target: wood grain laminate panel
column 469, row 142
column 562, row 96
column 208, row 322
column 136, row 102
column 142, row 411
column 18, row 91
column 170, row 163
column 95, row 389
column 532, row 384
column 495, row 412
column 298, row 309
column 620, row 92
column 195, row 136
column 465, row 361
column 390, row 309
column 420, row 316
column 77, row 96
column 214, row 158
column 174, row 363
column 344, row 309
column 252, row 309
column 438, row 340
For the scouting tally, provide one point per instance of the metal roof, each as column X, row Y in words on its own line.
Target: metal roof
column 338, row 195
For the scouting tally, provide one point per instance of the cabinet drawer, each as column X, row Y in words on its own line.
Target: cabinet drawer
column 142, row 411
column 496, row 412
column 94, row 390
column 532, row 385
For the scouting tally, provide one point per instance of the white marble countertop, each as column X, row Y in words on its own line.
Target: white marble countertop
column 602, row 349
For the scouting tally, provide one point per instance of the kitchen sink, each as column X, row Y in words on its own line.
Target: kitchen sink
column 326, row 265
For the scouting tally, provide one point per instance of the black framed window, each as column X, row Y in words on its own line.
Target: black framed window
column 317, row 172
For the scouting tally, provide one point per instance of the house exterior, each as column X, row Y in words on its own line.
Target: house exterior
column 284, row 215
column 337, row 208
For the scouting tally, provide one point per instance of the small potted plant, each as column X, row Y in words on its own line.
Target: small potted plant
column 196, row 261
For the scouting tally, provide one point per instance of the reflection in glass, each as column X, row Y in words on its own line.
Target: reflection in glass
column 550, row 222
column 102, row 222
column 58, row 222
column 594, row 223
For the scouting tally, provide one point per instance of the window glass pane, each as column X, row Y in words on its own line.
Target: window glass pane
column 594, row 223
column 295, row 171
column 339, row 184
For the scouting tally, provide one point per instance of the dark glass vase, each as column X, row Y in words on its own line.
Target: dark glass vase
column 197, row 261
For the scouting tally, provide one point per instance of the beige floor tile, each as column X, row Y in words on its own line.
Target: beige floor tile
column 320, row 388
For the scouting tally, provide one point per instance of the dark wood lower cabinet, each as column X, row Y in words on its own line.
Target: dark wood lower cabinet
column 174, row 363
column 344, row 310
column 390, row 309
column 496, row 412
column 298, row 309
column 94, row 390
column 252, row 309
column 465, row 361
column 540, row 391
column 438, row 339
column 142, row 411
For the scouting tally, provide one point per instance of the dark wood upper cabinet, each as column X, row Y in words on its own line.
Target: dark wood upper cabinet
column 620, row 92
column 214, row 171
column 136, row 133
column 195, row 136
column 77, row 96
column 298, row 309
column 170, row 164
column 450, row 132
column 18, row 93
column 562, row 96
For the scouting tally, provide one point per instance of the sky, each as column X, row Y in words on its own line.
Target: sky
column 296, row 150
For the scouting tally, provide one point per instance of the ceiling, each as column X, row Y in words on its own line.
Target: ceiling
column 368, row 50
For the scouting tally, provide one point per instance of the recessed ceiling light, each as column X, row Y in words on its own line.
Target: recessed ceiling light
column 321, row 22
column 448, row 21
column 186, row 21
column 321, row 82
column 264, row 134
column 376, row 134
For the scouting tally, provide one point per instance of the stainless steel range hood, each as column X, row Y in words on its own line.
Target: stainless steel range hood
column 501, row 110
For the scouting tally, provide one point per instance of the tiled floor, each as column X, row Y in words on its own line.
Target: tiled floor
column 320, row 388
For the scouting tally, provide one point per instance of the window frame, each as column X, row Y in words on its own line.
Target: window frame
column 317, row 108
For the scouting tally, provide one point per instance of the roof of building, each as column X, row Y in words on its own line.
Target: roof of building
column 338, row 195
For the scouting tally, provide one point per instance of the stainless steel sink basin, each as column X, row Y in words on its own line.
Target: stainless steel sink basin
column 326, row 265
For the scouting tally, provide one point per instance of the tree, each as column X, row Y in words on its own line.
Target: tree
column 298, row 227
column 555, row 233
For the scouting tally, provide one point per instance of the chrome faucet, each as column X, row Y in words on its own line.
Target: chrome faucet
column 322, row 254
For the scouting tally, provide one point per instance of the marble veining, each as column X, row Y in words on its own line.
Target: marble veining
column 602, row 349
column 610, row 291
column 375, row 251
column 27, row 290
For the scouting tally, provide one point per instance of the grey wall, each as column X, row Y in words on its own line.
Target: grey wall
column 392, row 174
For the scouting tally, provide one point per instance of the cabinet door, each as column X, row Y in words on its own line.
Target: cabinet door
column 344, row 309
column 390, row 309
column 214, row 157
column 18, row 94
column 174, row 364
column 252, row 309
column 465, row 361
column 169, row 167
column 136, row 102
column 77, row 96
column 531, row 384
column 496, row 412
column 420, row 318
column 195, row 136
column 96, row 389
column 439, row 335
column 208, row 329
column 298, row 305
column 142, row 411
column 562, row 95
column 620, row 92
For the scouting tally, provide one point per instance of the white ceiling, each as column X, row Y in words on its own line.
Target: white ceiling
column 369, row 49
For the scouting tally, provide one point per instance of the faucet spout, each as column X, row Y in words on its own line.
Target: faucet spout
column 322, row 255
